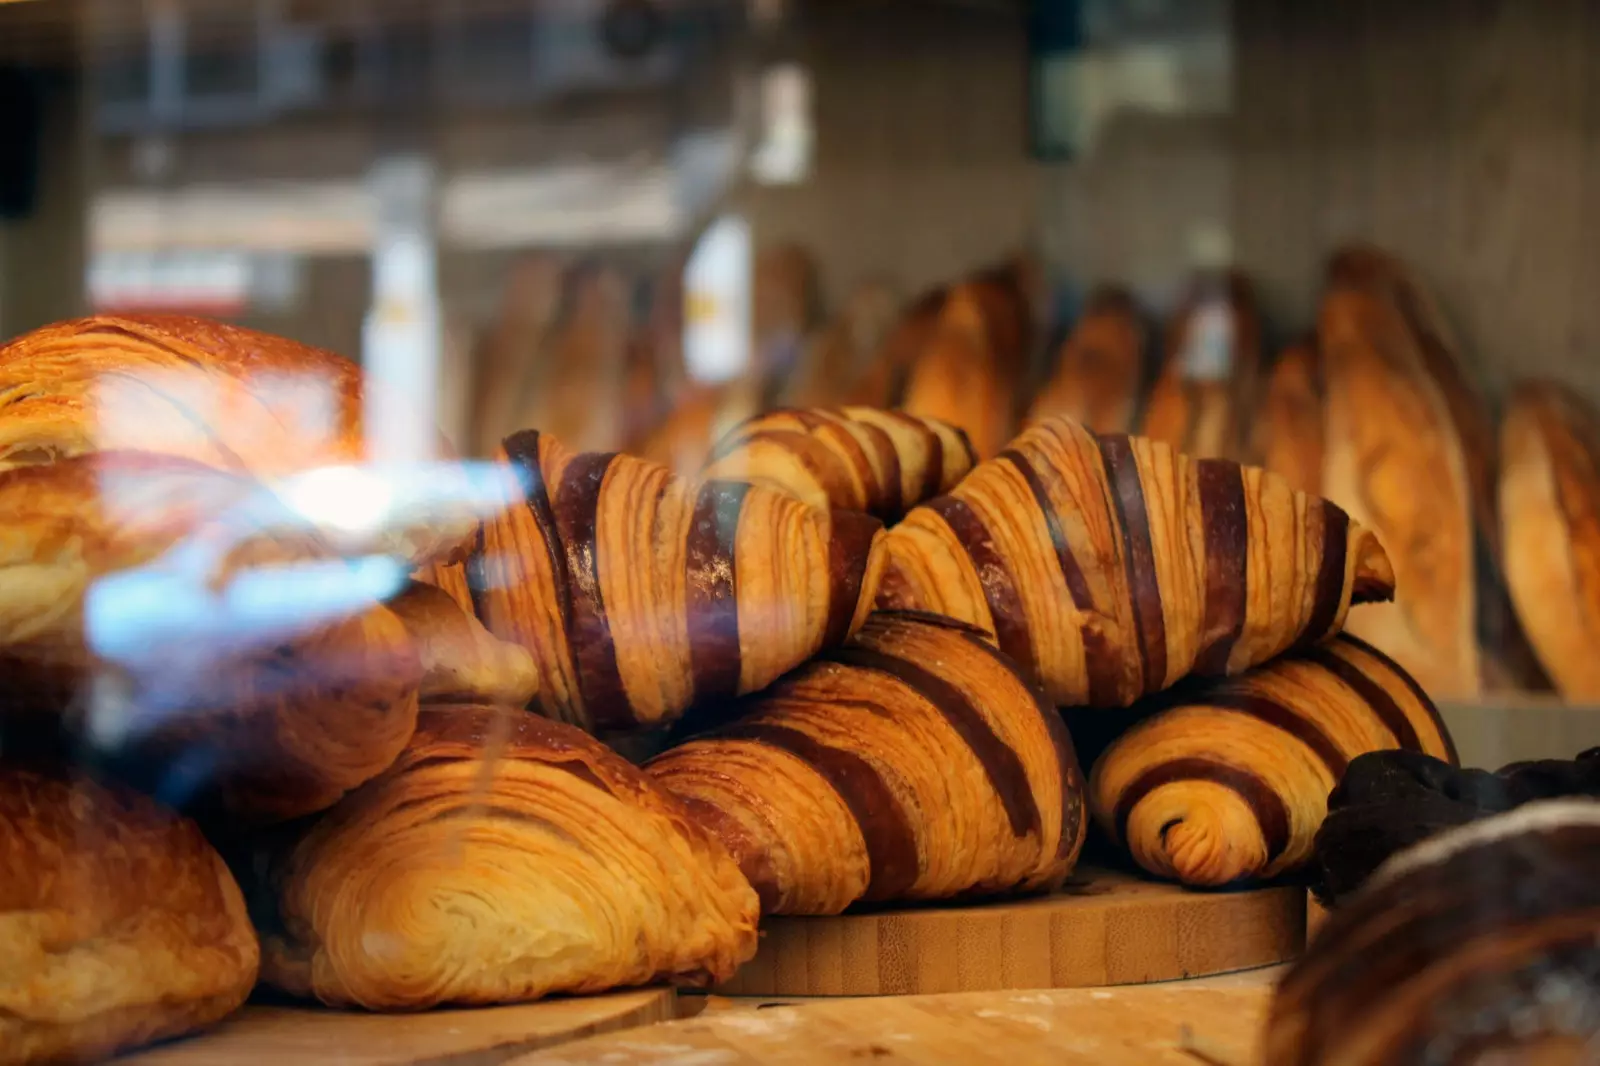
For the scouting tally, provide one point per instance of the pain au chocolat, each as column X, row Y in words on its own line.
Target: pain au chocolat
column 639, row 592
column 1110, row 567
column 228, row 397
column 1228, row 780
column 143, row 611
column 119, row 925
column 1475, row 947
column 914, row 763
column 504, row 857
column 852, row 458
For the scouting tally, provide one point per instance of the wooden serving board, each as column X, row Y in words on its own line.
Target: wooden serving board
column 1103, row 928
column 311, row 1036
column 1212, row 1022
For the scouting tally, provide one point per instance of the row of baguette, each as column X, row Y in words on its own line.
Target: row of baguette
column 407, row 835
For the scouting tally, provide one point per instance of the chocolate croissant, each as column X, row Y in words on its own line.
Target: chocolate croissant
column 119, row 925
column 853, row 458
column 1101, row 368
column 1476, row 946
column 1229, row 779
column 504, row 857
column 913, row 763
column 1111, row 567
column 639, row 593
column 1550, row 519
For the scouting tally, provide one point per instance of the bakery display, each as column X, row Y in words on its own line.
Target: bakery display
column 119, row 925
column 1228, row 779
column 639, row 593
column 1550, row 528
column 850, row 458
column 1290, row 439
column 1100, row 369
column 227, row 397
column 914, row 763
column 1477, row 946
column 958, row 376
column 503, row 857
column 1207, row 386
column 1110, row 567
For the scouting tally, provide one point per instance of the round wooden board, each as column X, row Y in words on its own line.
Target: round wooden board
column 1215, row 1020
column 1103, row 928
column 312, row 1036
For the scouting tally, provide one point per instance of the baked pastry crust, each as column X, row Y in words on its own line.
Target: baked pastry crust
column 960, row 378
column 119, row 924
column 502, row 858
column 914, row 763
column 1110, row 567
column 1196, row 413
column 1100, row 369
column 1290, row 438
column 462, row 662
column 1228, row 780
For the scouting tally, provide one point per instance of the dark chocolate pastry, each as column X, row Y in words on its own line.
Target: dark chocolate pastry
column 1390, row 800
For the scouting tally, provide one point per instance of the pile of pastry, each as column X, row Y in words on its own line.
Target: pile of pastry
column 243, row 742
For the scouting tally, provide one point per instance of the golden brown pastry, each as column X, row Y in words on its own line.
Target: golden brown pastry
column 639, row 593
column 555, row 866
column 143, row 608
column 837, row 360
column 119, row 925
column 575, row 387
column 958, row 377
column 1289, row 422
column 1110, row 567
column 1207, row 388
column 1475, row 947
column 1395, row 461
column 1229, row 779
column 883, row 383
column 1550, row 515
column 1100, row 369
column 851, row 458
column 227, row 397
column 913, row 763
column 462, row 662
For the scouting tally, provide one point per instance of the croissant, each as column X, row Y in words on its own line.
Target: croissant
column 639, row 593
column 1550, row 515
column 1229, row 779
column 958, row 377
column 1475, row 946
column 1289, row 421
column 1208, row 385
column 1100, row 369
column 224, row 396
column 1111, row 567
column 142, row 610
column 555, row 867
column 461, row 661
column 119, row 925
column 913, row 763
column 854, row 458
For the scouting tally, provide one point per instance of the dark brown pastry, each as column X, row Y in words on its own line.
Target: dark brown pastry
column 1100, row 370
column 1228, row 780
column 852, row 458
column 639, row 593
column 1474, row 947
column 913, row 763
column 119, row 925
column 504, row 857
column 1111, row 567
column 1208, row 386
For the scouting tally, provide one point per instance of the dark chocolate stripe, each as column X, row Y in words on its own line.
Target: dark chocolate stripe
column 932, row 454
column 892, row 502
column 1266, row 805
column 994, row 577
column 1283, row 717
column 1227, row 531
column 1372, row 694
column 476, row 571
column 1000, row 764
column 850, row 536
column 1416, row 691
column 817, row 458
column 891, row 843
column 1127, row 493
column 755, row 862
column 713, row 605
column 929, row 618
column 577, row 512
column 966, row 446
column 522, row 449
column 1330, row 575
column 838, row 434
